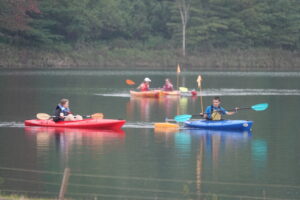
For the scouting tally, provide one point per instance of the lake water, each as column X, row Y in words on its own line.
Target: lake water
column 139, row 162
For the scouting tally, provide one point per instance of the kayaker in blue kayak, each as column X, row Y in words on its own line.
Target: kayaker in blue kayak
column 63, row 112
column 215, row 111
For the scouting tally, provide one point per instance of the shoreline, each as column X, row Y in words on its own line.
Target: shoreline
column 171, row 69
column 276, row 60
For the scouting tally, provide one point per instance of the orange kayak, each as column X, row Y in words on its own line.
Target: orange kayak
column 160, row 93
column 152, row 93
column 170, row 93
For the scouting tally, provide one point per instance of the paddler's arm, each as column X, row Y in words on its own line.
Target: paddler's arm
column 232, row 112
column 207, row 111
column 58, row 115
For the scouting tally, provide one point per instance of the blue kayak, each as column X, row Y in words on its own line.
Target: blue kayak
column 242, row 125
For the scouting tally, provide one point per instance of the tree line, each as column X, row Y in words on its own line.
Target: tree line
column 196, row 24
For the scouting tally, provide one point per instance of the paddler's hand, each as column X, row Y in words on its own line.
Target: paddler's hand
column 201, row 114
column 236, row 109
column 61, row 115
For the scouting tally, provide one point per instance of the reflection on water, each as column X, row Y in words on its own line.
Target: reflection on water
column 259, row 153
column 183, row 143
column 207, row 147
column 143, row 108
column 213, row 150
column 67, row 138
column 140, row 107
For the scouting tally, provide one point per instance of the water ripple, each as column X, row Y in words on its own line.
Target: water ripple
column 227, row 92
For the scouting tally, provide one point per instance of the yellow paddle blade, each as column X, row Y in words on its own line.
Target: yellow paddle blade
column 43, row 116
column 199, row 80
column 130, row 82
column 183, row 89
column 166, row 125
column 178, row 69
column 97, row 116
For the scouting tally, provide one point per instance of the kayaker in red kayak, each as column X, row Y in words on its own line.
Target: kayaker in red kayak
column 145, row 86
column 215, row 111
column 168, row 85
column 63, row 112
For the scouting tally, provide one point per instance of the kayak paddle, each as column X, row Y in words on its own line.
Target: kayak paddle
column 257, row 107
column 177, row 76
column 130, row 82
column 199, row 82
column 45, row 116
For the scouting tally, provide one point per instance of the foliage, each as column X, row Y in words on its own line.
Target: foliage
column 212, row 23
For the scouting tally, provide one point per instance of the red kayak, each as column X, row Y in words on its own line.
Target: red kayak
column 86, row 123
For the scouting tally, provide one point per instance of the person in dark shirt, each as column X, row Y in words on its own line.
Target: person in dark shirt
column 63, row 112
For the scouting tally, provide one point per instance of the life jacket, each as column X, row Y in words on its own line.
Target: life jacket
column 64, row 110
column 215, row 114
column 60, row 109
column 144, row 87
column 168, row 87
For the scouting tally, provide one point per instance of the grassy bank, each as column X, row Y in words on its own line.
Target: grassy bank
column 106, row 57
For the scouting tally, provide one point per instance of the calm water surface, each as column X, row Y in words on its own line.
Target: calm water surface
column 139, row 162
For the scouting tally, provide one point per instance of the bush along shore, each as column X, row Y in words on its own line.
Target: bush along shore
column 106, row 57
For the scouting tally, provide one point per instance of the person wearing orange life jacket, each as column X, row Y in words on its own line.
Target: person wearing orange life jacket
column 168, row 85
column 145, row 86
column 215, row 111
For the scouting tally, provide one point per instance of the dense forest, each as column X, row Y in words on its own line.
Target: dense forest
column 221, row 27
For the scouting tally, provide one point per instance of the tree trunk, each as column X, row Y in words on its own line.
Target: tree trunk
column 184, row 9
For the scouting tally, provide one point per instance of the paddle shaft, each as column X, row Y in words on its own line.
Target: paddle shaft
column 199, row 81
column 172, row 120
column 86, row 116
column 198, row 115
column 257, row 107
column 201, row 98
column 245, row 108
column 47, row 116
